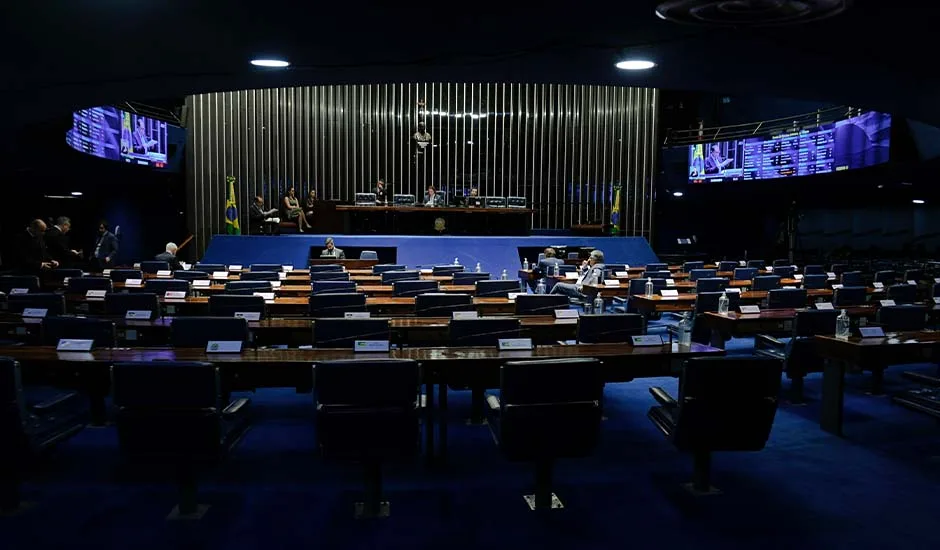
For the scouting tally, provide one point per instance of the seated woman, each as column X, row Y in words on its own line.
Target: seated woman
column 310, row 203
column 293, row 211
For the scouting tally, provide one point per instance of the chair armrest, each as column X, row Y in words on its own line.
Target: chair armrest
column 924, row 379
column 769, row 341
column 619, row 300
column 493, row 402
column 52, row 404
column 662, row 397
column 236, row 406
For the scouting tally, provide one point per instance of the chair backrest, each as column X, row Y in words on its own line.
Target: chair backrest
column 813, row 269
column 540, row 304
column 101, row 331
column 657, row 274
column 812, row 322
column 888, row 277
column 708, row 301
column 838, row 269
column 484, row 331
column 780, row 263
column 9, row 282
column 336, row 304
column 161, row 286
column 916, row 275
column 265, row 267
column 702, row 273
column 325, row 268
column 247, row 287
column 935, row 291
column 849, row 296
column 757, row 264
column 564, row 268
column 329, row 276
column 413, row 288
column 152, row 266
column 657, row 267
column 469, row 277
column 390, row 277
column 196, row 332
column 903, row 293
column 573, row 255
column 191, row 275
column 210, row 268
column 332, row 287
column 785, row 271
column 54, row 303
column 609, row 329
column 227, row 305
column 443, row 270
column 495, row 289
column 815, row 280
column 688, row 267
column 786, row 298
column 711, row 284
column 744, row 273
column 615, row 268
column 765, row 282
column 120, row 303
column 382, row 268
column 726, row 403
column 259, row 276
column 392, row 383
column 343, row 333
column 852, row 278
column 442, row 305
column 368, row 255
column 81, row 285
column 727, row 266
column 902, row 318
column 59, row 275
column 638, row 286
column 121, row 275
column 13, row 411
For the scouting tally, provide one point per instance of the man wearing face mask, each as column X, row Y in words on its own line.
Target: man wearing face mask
column 31, row 255
column 106, row 247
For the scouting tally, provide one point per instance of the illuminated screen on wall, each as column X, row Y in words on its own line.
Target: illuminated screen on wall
column 114, row 134
column 847, row 144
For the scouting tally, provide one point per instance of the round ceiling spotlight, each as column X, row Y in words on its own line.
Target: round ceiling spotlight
column 270, row 63
column 918, row 201
column 743, row 13
column 635, row 64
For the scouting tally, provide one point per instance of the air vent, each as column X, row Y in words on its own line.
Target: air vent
column 749, row 13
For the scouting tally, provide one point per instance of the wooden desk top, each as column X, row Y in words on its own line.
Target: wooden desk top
column 442, row 209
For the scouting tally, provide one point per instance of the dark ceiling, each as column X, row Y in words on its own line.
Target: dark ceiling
column 878, row 54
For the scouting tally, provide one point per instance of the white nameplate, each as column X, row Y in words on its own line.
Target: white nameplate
column 356, row 315
column 138, row 314
column 175, row 295
column 224, row 346
column 371, row 346
column 566, row 321
column 202, row 283
column 106, row 272
column 566, row 314
column 878, row 286
column 912, row 282
column 836, row 286
column 465, row 315
column 936, row 300
column 426, row 271
column 872, row 332
column 798, row 276
column 669, row 292
column 35, row 312
column 19, row 291
column 769, row 269
column 742, row 263
column 732, row 291
column 248, row 315
column 235, row 267
column 133, row 282
column 571, row 275
column 789, row 287
column 164, row 273
column 514, row 343
column 749, row 309
column 137, row 265
column 281, row 275
column 287, row 268
column 887, row 303
column 69, row 344
column 611, row 282
column 185, row 266
column 831, row 274
column 268, row 296
column 647, row 340
column 623, row 274
column 220, row 274
column 275, row 284
column 513, row 295
column 936, row 279
column 95, row 294
column 827, row 306
column 670, row 282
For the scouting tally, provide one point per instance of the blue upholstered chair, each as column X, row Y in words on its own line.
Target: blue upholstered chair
column 343, row 333
column 153, row 266
column 196, row 332
column 227, row 305
column 336, row 304
column 413, row 288
column 442, row 305
column 786, row 298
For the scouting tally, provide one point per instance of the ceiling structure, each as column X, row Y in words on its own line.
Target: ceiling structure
column 877, row 54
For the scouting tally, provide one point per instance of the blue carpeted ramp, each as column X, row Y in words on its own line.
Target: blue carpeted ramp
column 493, row 253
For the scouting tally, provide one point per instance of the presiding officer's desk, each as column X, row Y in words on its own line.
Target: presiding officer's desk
column 422, row 220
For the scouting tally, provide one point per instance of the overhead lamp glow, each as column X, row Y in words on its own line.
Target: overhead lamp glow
column 677, row 194
column 918, row 201
column 270, row 63
column 76, row 193
column 635, row 64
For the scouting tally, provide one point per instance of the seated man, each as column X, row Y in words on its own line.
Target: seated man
column 332, row 251
column 170, row 257
column 549, row 261
column 592, row 272
column 258, row 216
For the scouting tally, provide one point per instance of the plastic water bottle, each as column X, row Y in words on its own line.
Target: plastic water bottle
column 504, row 276
column 554, row 270
column 723, row 304
column 478, row 268
column 525, row 263
column 456, row 261
column 685, row 330
column 540, row 288
column 649, row 287
column 598, row 305
column 842, row 326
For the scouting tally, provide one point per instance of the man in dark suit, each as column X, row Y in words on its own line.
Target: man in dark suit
column 592, row 273
column 331, row 250
column 57, row 243
column 258, row 217
column 31, row 255
column 380, row 193
column 106, row 247
column 169, row 256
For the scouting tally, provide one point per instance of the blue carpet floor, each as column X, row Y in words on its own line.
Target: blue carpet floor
column 874, row 489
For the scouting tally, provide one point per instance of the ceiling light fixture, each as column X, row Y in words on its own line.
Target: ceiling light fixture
column 677, row 194
column 918, row 201
column 635, row 64
column 270, row 63
column 76, row 193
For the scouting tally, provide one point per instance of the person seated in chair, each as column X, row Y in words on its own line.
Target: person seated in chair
column 293, row 211
column 332, row 251
column 592, row 272
column 381, row 196
column 431, row 198
column 548, row 262
column 169, row 256
column 310, row 204
column 258, row 216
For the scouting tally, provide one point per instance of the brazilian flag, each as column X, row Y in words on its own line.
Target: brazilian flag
column 697, row 162
column 615, row 212
column 231, row 211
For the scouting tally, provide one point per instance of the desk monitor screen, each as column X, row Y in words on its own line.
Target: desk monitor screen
column 855, row 142
column 113, row 134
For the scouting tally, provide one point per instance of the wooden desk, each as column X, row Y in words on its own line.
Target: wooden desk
column 769, row 321
column 420, row 220
column 872, row 354
column 348, row 264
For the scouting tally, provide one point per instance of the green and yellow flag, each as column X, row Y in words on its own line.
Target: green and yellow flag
column 615, row 212
column 231, row 211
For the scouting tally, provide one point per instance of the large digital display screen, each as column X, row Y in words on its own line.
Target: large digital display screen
column 114, row 134
column 847, row 144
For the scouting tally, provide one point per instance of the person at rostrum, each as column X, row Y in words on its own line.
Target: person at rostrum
column 592, row 272
column 106, row 247
column 169, row 256
column 431, row 198
column 332, row 251
column 380, row 197
column 57, row 243
column 31, row 255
